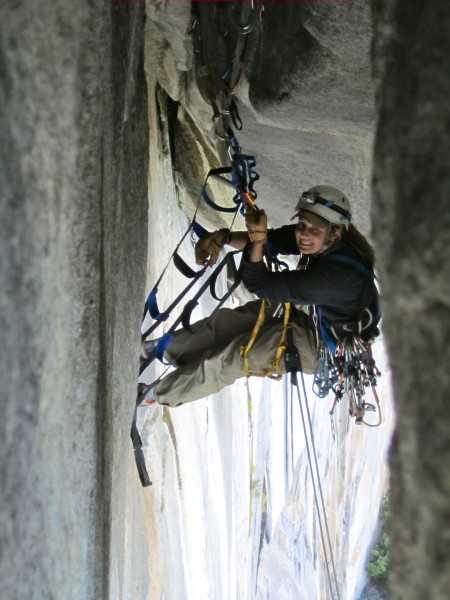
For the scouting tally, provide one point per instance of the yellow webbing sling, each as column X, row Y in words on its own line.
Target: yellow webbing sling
column 274, row 372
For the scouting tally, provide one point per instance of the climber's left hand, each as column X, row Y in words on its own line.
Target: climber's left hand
column 208, row 247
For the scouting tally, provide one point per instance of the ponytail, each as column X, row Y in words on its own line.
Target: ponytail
column 360, row 244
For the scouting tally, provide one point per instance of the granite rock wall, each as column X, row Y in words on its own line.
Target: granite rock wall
column 411, row 219
column 73, row 171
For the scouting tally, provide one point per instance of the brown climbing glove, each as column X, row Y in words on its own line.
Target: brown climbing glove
column 256, row 223
column 208, row 247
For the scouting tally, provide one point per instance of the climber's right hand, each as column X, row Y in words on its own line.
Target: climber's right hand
column 256, row 223
column 208, row 247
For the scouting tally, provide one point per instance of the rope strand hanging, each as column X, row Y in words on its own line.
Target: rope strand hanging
column 293, row 365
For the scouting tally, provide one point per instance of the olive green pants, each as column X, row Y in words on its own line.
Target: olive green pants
column 209, row 358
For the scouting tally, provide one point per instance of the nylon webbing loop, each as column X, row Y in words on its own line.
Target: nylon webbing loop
column 215, row 206
column 246, row 349
column 230, row 264
column 163, row 316
column 209, row 283
column 138, row 452
column 198, row 229
column 282, row 344
column 244, row 177
column 160, row 350
column 332, row 345
column 184, row 268
column 151, row 306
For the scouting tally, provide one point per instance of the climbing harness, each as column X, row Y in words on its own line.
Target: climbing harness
column 293, row 366
column 274, row 372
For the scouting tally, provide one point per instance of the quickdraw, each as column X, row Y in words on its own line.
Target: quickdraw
column 350, row 370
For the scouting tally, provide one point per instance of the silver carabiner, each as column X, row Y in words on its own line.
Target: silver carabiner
column 278, row 311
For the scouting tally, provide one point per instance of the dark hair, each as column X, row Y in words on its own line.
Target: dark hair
column 360, row 244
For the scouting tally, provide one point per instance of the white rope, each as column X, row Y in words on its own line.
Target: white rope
column 317, row 487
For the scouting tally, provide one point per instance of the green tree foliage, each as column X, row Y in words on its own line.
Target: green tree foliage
column 378, row 566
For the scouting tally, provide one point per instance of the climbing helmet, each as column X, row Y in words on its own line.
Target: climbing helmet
column 327, row 202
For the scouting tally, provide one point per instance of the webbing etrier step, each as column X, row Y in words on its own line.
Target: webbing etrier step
column 242, row 180
column 185, row 315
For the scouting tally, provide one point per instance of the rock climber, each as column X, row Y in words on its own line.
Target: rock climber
column 332, row 292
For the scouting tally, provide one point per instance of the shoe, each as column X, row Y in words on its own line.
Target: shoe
column 145, row 395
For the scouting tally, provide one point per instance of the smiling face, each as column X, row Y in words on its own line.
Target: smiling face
column 312, row 237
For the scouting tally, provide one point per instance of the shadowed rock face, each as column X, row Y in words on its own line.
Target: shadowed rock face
column 312, row 59
column 412, row 230
column 73, row 171
column 73, row 225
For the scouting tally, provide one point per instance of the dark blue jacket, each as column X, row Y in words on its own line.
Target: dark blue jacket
column 340, row 290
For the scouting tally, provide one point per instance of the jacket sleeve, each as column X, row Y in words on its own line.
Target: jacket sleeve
column 282, row 240
column 324, row 284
